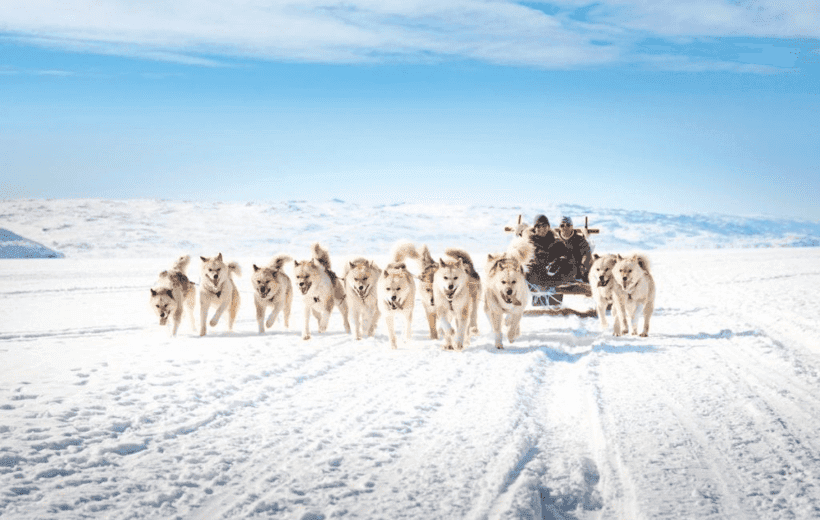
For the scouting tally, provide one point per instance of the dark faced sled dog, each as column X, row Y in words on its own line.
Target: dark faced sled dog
column 321, row 290
column 218, row 288
column 456, row 288
column 174, row 293
column 506, row 290
column 272, row 288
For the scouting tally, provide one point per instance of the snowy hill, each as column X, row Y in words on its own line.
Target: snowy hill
column 112, row 228
column 15, row 246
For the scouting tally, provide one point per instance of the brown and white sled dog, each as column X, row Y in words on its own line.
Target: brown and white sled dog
column 174, row 293
column 428, row 268
column 321, row 290
column 397, row 296
column 217, row 288
column 603, row 286
column 360, row 281
column 456, row 287
column 635, row 288
column 506, row 291
column 272, row 288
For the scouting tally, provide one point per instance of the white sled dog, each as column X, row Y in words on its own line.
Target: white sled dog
column 428, row 268
column 321, row 290
column 397, row 296
column 456, row 287
column 360, row 281
column 635, row 288
column 174, row 293
column 217, row 288
column 603, row 286
column 272, row 288
column 506, row 289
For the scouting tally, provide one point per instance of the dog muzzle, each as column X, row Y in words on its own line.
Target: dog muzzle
column 305, row 287
column 394, row 305
column 603, row 283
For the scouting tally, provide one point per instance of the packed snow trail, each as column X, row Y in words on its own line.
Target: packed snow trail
column 714, row 415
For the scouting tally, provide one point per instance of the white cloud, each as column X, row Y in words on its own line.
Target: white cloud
column 496, row 31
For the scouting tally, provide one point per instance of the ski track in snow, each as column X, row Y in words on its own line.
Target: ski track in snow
column 714, row 415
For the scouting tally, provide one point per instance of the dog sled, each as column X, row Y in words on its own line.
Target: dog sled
column 542, row 298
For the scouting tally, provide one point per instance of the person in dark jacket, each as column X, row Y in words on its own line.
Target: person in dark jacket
column 578, row 246
column 543, row 239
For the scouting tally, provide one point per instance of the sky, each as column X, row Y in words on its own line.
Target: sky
column 700, row 106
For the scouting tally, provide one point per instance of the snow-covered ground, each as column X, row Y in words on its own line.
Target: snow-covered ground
column 103, row 415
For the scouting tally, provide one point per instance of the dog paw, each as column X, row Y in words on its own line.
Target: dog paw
column 306, row 337
column 213, row 322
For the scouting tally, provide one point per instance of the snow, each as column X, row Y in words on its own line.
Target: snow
column 104, row 415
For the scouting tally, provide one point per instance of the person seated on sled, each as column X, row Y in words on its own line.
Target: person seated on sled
column 578, row 247
column 542, row 239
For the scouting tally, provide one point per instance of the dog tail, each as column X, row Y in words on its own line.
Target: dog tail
column 233, row 267
column 522, row 250
column 279, row 261
column 181, row 264
column 642, row 261
column 321, row 255
column 460, row 254
column 404, row 250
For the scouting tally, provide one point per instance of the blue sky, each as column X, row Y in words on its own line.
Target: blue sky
column 677, row 107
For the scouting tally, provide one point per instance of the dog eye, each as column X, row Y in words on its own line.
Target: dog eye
column 503, row 282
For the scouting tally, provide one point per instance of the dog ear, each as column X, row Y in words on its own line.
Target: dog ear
column 641, row 261
column 153, row 292
column 169, row 292
column 296, row 263
column 219, row 257
column 595, row 256
column 352, row 265
column 203, row 259
column 255, row 268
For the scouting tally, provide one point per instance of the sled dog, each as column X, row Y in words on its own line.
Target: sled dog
column 172, row 293
column 635, row 288
column 428, row 268
column 397, row 296
column 506, row 291
column 603, row 286
column 217, row 288
column 321, row 290
column 272, row 288
column 456, row 287
column 360, row 281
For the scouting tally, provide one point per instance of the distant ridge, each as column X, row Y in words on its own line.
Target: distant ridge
column 13, row 245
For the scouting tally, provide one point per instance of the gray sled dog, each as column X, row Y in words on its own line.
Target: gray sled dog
column 456, row 287
column 173, row 293
column 360, row 281
column 272, row 288
column 218, row 288
column 428, row 270
column 635, row 288
column 321, row 290
column 506, row 291
column 603, row 286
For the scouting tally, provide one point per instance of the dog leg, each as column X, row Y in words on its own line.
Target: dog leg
column 204, row 305
column 357, row 322
column 431, row 322
column 234, row 308
column 447, row 330
column 343, row 308
column 306, row 329
column 190, row 302
column 373, row 323
column 273, row 314
column 495, row 321
column 177, row 320
column 648, row 308
column 260, row 316
column 286, row 310
column 391, row 329
column 408, row 325
column 514, row 330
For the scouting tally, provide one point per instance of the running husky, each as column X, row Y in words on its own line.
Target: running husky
column 217, row 288
column 172, row 293
column 456, row 287
column 506, row 290
column 360, row 279
column 321, row 289
column 397, row 295
column 602, row 283
column 428, row 270
column 635, row 288
column 272, row 288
